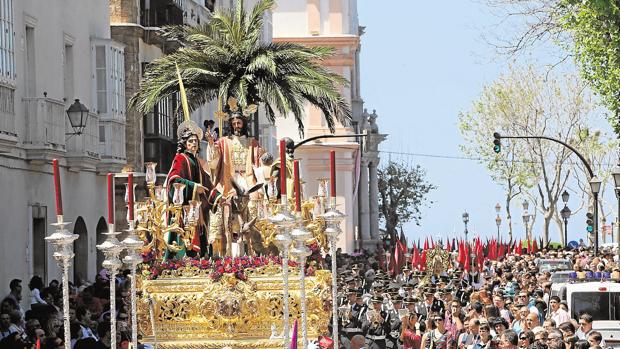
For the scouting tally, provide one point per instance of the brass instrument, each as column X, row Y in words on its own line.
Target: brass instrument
column 375, row 318
column 345, row 314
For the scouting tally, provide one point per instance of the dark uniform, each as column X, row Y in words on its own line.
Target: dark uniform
column 396, row 325
column 377, row 332
column 352, row 325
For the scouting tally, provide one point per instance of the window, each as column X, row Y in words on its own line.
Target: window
column 109, row 78
column 68, row 73
column 7, row 41
column 30, row 73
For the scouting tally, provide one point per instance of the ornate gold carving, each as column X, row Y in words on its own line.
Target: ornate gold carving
column 198, row 312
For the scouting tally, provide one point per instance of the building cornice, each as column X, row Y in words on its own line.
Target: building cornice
column 341, row 40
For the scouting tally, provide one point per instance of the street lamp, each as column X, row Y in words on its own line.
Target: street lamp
column 565, row 213
column 78, row 116
column 466, row 220
column 498, row 219
column 615, row 172
column 526, row 218
column 595, row 186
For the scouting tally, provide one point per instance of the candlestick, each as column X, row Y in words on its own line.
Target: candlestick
column 284, row 221
column 283, row 170
column 332, row 177
column 297, row 186
column 300, row 252
column 130, row 196
column 133, row 244
column 62, row 242
column 332, row 218
column 110, row 198
column 57, row 187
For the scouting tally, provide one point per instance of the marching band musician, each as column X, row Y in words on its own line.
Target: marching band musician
column 395, row 322
column 376, row 326
column 352, row 316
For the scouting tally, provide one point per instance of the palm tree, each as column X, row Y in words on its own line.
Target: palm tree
column 225, row 57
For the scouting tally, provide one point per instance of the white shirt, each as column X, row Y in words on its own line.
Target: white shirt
column 35, row 297
column 560, row 316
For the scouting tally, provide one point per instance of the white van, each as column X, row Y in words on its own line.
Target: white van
column 601, row 299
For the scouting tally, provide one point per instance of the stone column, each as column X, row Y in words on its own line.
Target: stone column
column 363, row 204
column 374, row 199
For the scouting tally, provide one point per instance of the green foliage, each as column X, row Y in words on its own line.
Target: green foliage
column 402, row 193
column 225, row 57
column 595, row 28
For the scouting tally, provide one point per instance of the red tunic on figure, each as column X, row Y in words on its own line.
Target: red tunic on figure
column 187, row 169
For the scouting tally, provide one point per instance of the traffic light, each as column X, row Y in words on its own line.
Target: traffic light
column 590, row 222
column 497, row 144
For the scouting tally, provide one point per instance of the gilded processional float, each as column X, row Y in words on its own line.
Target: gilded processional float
column 224, row 252
column 229, row 247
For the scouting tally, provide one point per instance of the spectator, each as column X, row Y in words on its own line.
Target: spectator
column 558, row 314
column 15, row 295
column 35, row 285
column 6, row 327
column 595, row 338
column 526, row 338
column 585, row 326
column 509, row 340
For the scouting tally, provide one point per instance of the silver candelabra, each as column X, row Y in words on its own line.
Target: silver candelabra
column 62, row 241
column 284, row 221
column 300, row 252
column 112, row 248
column 133, row 244
column 333, row 218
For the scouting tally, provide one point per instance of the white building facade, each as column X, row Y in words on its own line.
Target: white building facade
column 334, row 23
column 52, row 53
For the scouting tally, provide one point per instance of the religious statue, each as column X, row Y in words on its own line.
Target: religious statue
column 275, row 170
column 187, row 169
column 231, row 159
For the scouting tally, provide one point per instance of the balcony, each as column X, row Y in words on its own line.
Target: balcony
column 111, row 143
column 83, row 150
column 160, row 13
column 44, row 136
column 8, row 136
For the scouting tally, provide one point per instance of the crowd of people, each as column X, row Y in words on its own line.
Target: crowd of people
column 41, row 321
column 504, row 303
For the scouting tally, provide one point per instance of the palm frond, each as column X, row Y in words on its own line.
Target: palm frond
column 225, row 57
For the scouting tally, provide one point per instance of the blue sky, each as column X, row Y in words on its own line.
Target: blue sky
column 421, row 63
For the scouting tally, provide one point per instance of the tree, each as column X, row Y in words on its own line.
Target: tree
column 402, row 193
column 492, row 112
column 527, row 102
column 226, row 57
column 595, row 30
column 589, row 31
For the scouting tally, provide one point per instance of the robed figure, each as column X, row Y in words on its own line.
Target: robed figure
column 187, row 168
column 232, row 160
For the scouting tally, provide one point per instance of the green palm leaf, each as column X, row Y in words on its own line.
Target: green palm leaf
column 225, row 57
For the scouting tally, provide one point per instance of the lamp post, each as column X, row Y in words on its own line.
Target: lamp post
column 565, row 213
column 78, row 116
column 595, row 186
column 466, row 220
column 615, row 172
column 526, row 218
column 498, row 219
